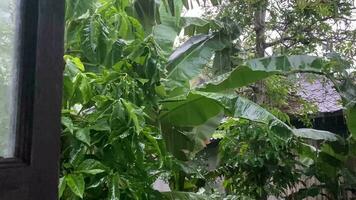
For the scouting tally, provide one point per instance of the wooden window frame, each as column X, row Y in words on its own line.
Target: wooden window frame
column 33, row 172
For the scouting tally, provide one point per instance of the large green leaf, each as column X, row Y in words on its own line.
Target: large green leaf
column 188, row 121
column 315, row 134
column 287, row 63
column 195, row 108
column 147, row 12
column 222, row 61
column 165, row 36
column 247, row 109
column 197, row 25
column 258, row 69
column 188, row 60
column 166, row 32
column 185, row 142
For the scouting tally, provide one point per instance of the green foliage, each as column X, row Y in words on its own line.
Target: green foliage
column 351, row 116
column 255, row 161
column 257, row 69
column 130, row 115
column 111, row 146
column 188, row 60
column 297, row 27
column 109, row 141
column 194, row 117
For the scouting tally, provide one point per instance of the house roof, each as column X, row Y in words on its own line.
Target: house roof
column 321, row 93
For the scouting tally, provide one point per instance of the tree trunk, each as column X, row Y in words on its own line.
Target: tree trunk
column 260, row 29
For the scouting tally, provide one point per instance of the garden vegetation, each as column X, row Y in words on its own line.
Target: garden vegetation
column 135, row 109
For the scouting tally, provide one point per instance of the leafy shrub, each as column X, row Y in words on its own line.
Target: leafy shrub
column 255, row 161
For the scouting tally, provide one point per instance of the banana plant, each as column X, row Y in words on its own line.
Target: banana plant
column 243, row 75
column 328, row 162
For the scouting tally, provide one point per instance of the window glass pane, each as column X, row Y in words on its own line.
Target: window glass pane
column 7, row 72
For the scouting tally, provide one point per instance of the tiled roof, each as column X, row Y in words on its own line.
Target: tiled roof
column 320, row 91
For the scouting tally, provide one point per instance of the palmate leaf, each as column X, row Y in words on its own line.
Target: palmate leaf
column 188, row 60
column 101, row 38
column 94, row 39
column 258, row 69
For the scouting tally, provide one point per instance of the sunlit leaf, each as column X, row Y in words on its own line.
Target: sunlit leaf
column 61, row 186
column 91, row 166
column 76, row 184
